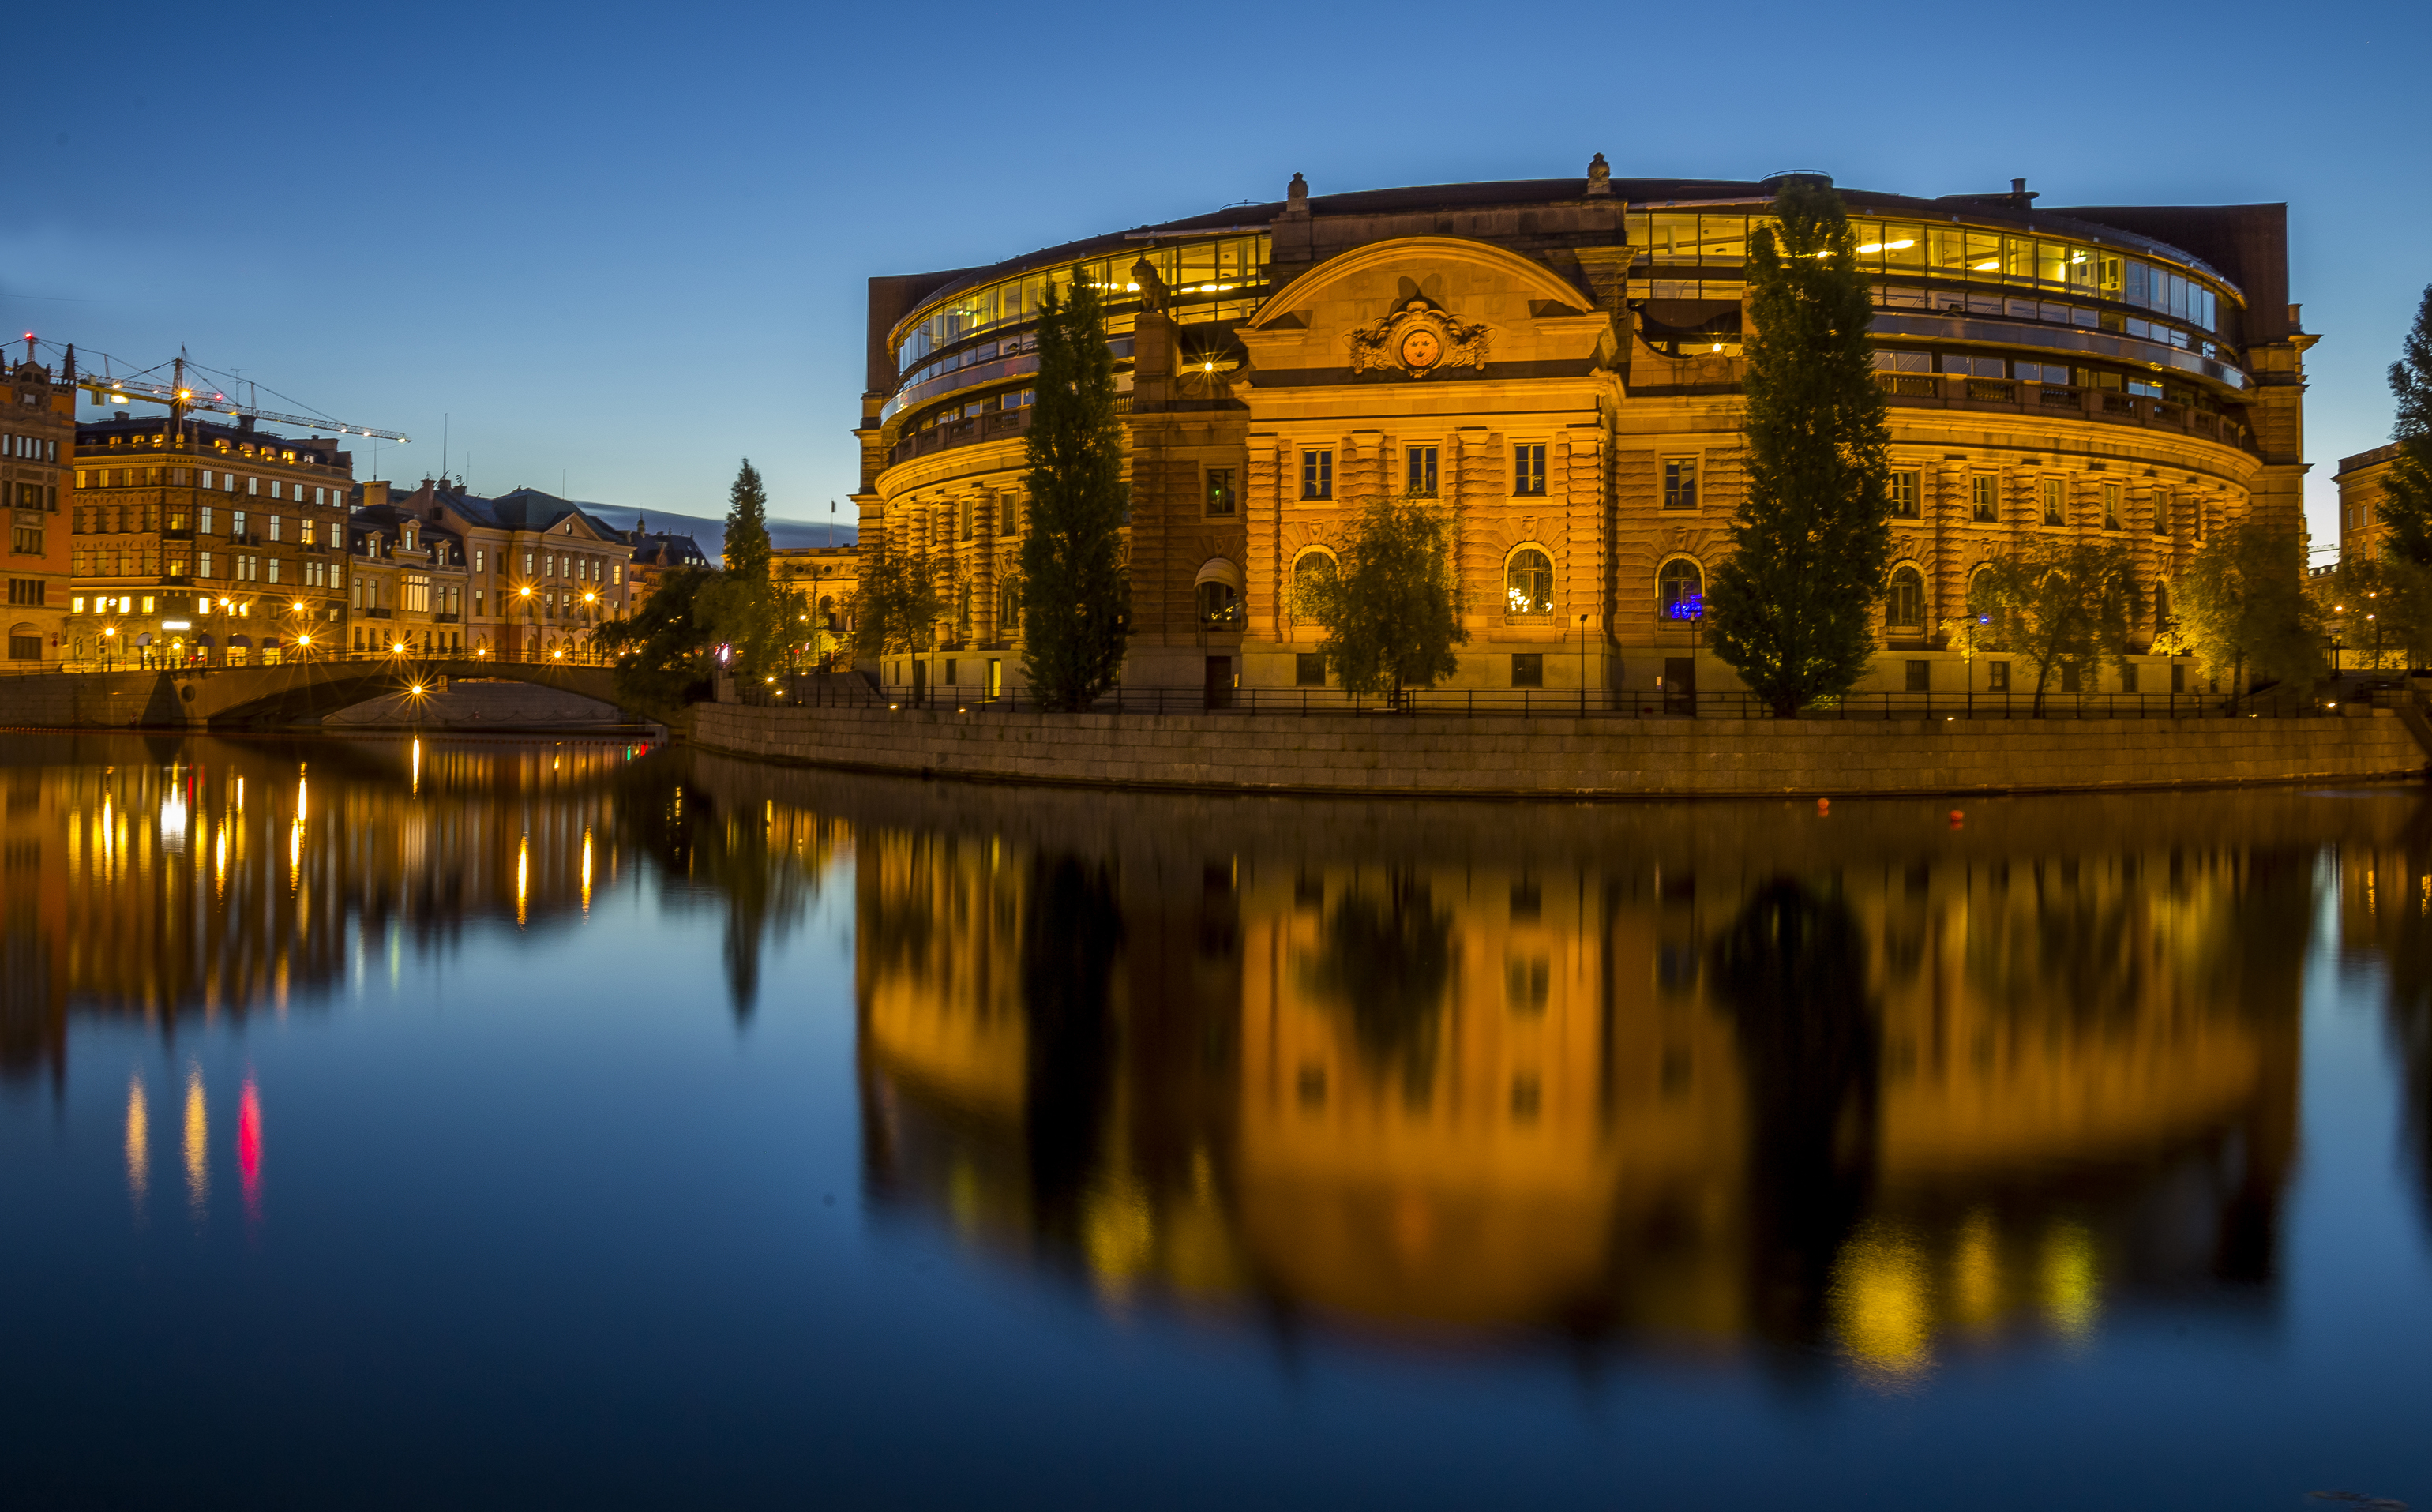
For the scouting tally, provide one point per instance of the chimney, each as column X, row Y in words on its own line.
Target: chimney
column 376, row 493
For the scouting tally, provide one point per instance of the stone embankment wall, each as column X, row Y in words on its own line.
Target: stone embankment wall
column 1442, row 756
column 96, row 700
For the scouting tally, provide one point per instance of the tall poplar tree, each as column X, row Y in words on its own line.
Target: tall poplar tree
column 747, row 525
column 1074, row 587
column 756, row 617
column 1792, row 608
column 2407, row 498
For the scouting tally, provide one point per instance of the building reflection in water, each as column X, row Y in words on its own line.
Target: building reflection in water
column 1687, row 1079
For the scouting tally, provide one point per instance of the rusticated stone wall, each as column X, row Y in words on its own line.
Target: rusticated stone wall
column 1444, row 756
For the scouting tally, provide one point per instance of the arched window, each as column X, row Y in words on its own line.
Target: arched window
column 1218, row 603
column 1905, row 608
column 1680, row 590
column 1528, row 582
column 1314, row 578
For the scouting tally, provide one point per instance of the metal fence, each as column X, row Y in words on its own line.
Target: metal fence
column 403, row 660
column 852, row 691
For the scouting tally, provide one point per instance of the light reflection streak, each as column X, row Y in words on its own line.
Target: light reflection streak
column 586, row 869
column 138, row 1142
column 198, row 1145
column 248, row 1148
column 523, row 877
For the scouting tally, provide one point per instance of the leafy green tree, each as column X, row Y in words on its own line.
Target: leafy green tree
column 1072, row 559
column 2063, row 607
column 2244, row 609
column 1392, row 614
column 1792, row 608
column 666, row 649
column 897, row 605
column 2384, row 603
column 758, row 619
column 2406, row 499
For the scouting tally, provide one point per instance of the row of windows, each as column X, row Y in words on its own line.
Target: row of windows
column 1420, row 477
column 1194, row 272
column 43, row 496
column 1965, row 365
column 213, row 480
column 1942, row 251
column 1984, row 502
column 159, row 439
column 25, row 590
column 29, row 448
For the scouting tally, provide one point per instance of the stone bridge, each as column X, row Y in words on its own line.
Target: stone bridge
column 238, row 697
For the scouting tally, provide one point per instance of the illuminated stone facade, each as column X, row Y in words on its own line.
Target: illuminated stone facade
column 2363, row 478
column 1558, row 362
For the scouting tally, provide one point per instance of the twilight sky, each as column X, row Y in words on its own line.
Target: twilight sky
column 626, row 245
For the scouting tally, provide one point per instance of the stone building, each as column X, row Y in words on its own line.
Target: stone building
column 2363, row 478
column 826, row 577
column 1559, row 362
column 37, row 451
column 195, row 540
column 540, row 571
column 408, row 582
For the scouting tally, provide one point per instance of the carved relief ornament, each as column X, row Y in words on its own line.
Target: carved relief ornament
column 1418, row 339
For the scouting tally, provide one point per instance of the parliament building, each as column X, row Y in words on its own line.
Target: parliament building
column 1558, row 362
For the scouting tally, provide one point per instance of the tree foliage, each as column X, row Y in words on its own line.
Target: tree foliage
column 896, row 606
column 2064, row 606
column 747, row 526
column 2244, row 609
column 1792, row 608
column 758, row 621
column 2384, row 602
column 2407, row 498
column 1072, row 559
column 1392, row 612
column 666, row 649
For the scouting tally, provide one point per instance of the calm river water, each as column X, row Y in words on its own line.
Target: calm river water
column 482, row 1123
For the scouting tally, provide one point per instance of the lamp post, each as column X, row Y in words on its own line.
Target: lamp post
column 530, row 628
column 591, row 609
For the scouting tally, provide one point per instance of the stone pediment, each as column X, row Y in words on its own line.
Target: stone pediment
column 1422, row 308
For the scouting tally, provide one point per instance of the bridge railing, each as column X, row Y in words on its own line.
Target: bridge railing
column 203, row 665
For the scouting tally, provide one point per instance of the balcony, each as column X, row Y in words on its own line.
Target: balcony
column 2016, row 396
column 954, row 433
column 178, row 532
column 377, row 614
column 445, row 619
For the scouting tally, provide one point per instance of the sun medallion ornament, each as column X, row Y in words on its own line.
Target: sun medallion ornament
column 1416, row 340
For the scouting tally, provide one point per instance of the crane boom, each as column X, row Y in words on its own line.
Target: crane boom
column 222, row 404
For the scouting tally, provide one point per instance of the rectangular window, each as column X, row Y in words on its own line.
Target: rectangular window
column 204, row 519
column 228, row 482
column 418, row 595
column 2055, row 501
column 253, row 485
column 1220, row 493
column 202, row 563
column 1317, row 474
column 1420, row 473
column 1903, row 361
column 1984, row 492
column 306, row 531
column 207, row 478
column 274, row 488
column 528, row 563
column 1529, row 470
column 2161, row 511
column 273, row 526
column 480, row 557
column 1680, row 482
column 1308, row 669
column 236, row 524
column 1904, row 496
column 1528, row 669
column 1997, row 675
column 2111, row 506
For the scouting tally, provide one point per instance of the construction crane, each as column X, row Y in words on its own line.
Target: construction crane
column 181, row 398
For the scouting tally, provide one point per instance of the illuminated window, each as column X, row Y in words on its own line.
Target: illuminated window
column 1905, row 607
column 1984, row 493
column 1680, row 483
column 1528, row 583
column 2055, row 494
column 1528, row 469
column 1421, row 472
column 1317, row 474
column 1219, row 604
column 1904, row 496
column 1680, row 590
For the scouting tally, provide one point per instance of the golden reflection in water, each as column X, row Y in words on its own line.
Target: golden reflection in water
column 1877, row 1095
column 2071, row 1280
column 139, row 1141
column 1976, row 1273
column 219, row 861
column 199, row 1144
column 418, row 767
column 1880, row 1305
column 523, row 877
column 586, row 869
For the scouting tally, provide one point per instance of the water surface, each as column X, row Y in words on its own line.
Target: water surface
column 487, row 1122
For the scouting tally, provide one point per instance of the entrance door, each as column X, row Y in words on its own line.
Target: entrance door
column 1681, row 684
column 1220, row 682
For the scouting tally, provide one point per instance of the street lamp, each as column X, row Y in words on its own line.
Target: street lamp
column 530, row 632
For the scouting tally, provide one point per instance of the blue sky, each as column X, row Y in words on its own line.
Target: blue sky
column 625, row 245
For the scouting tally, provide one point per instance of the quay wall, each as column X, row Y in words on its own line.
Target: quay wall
column 1442, row 756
